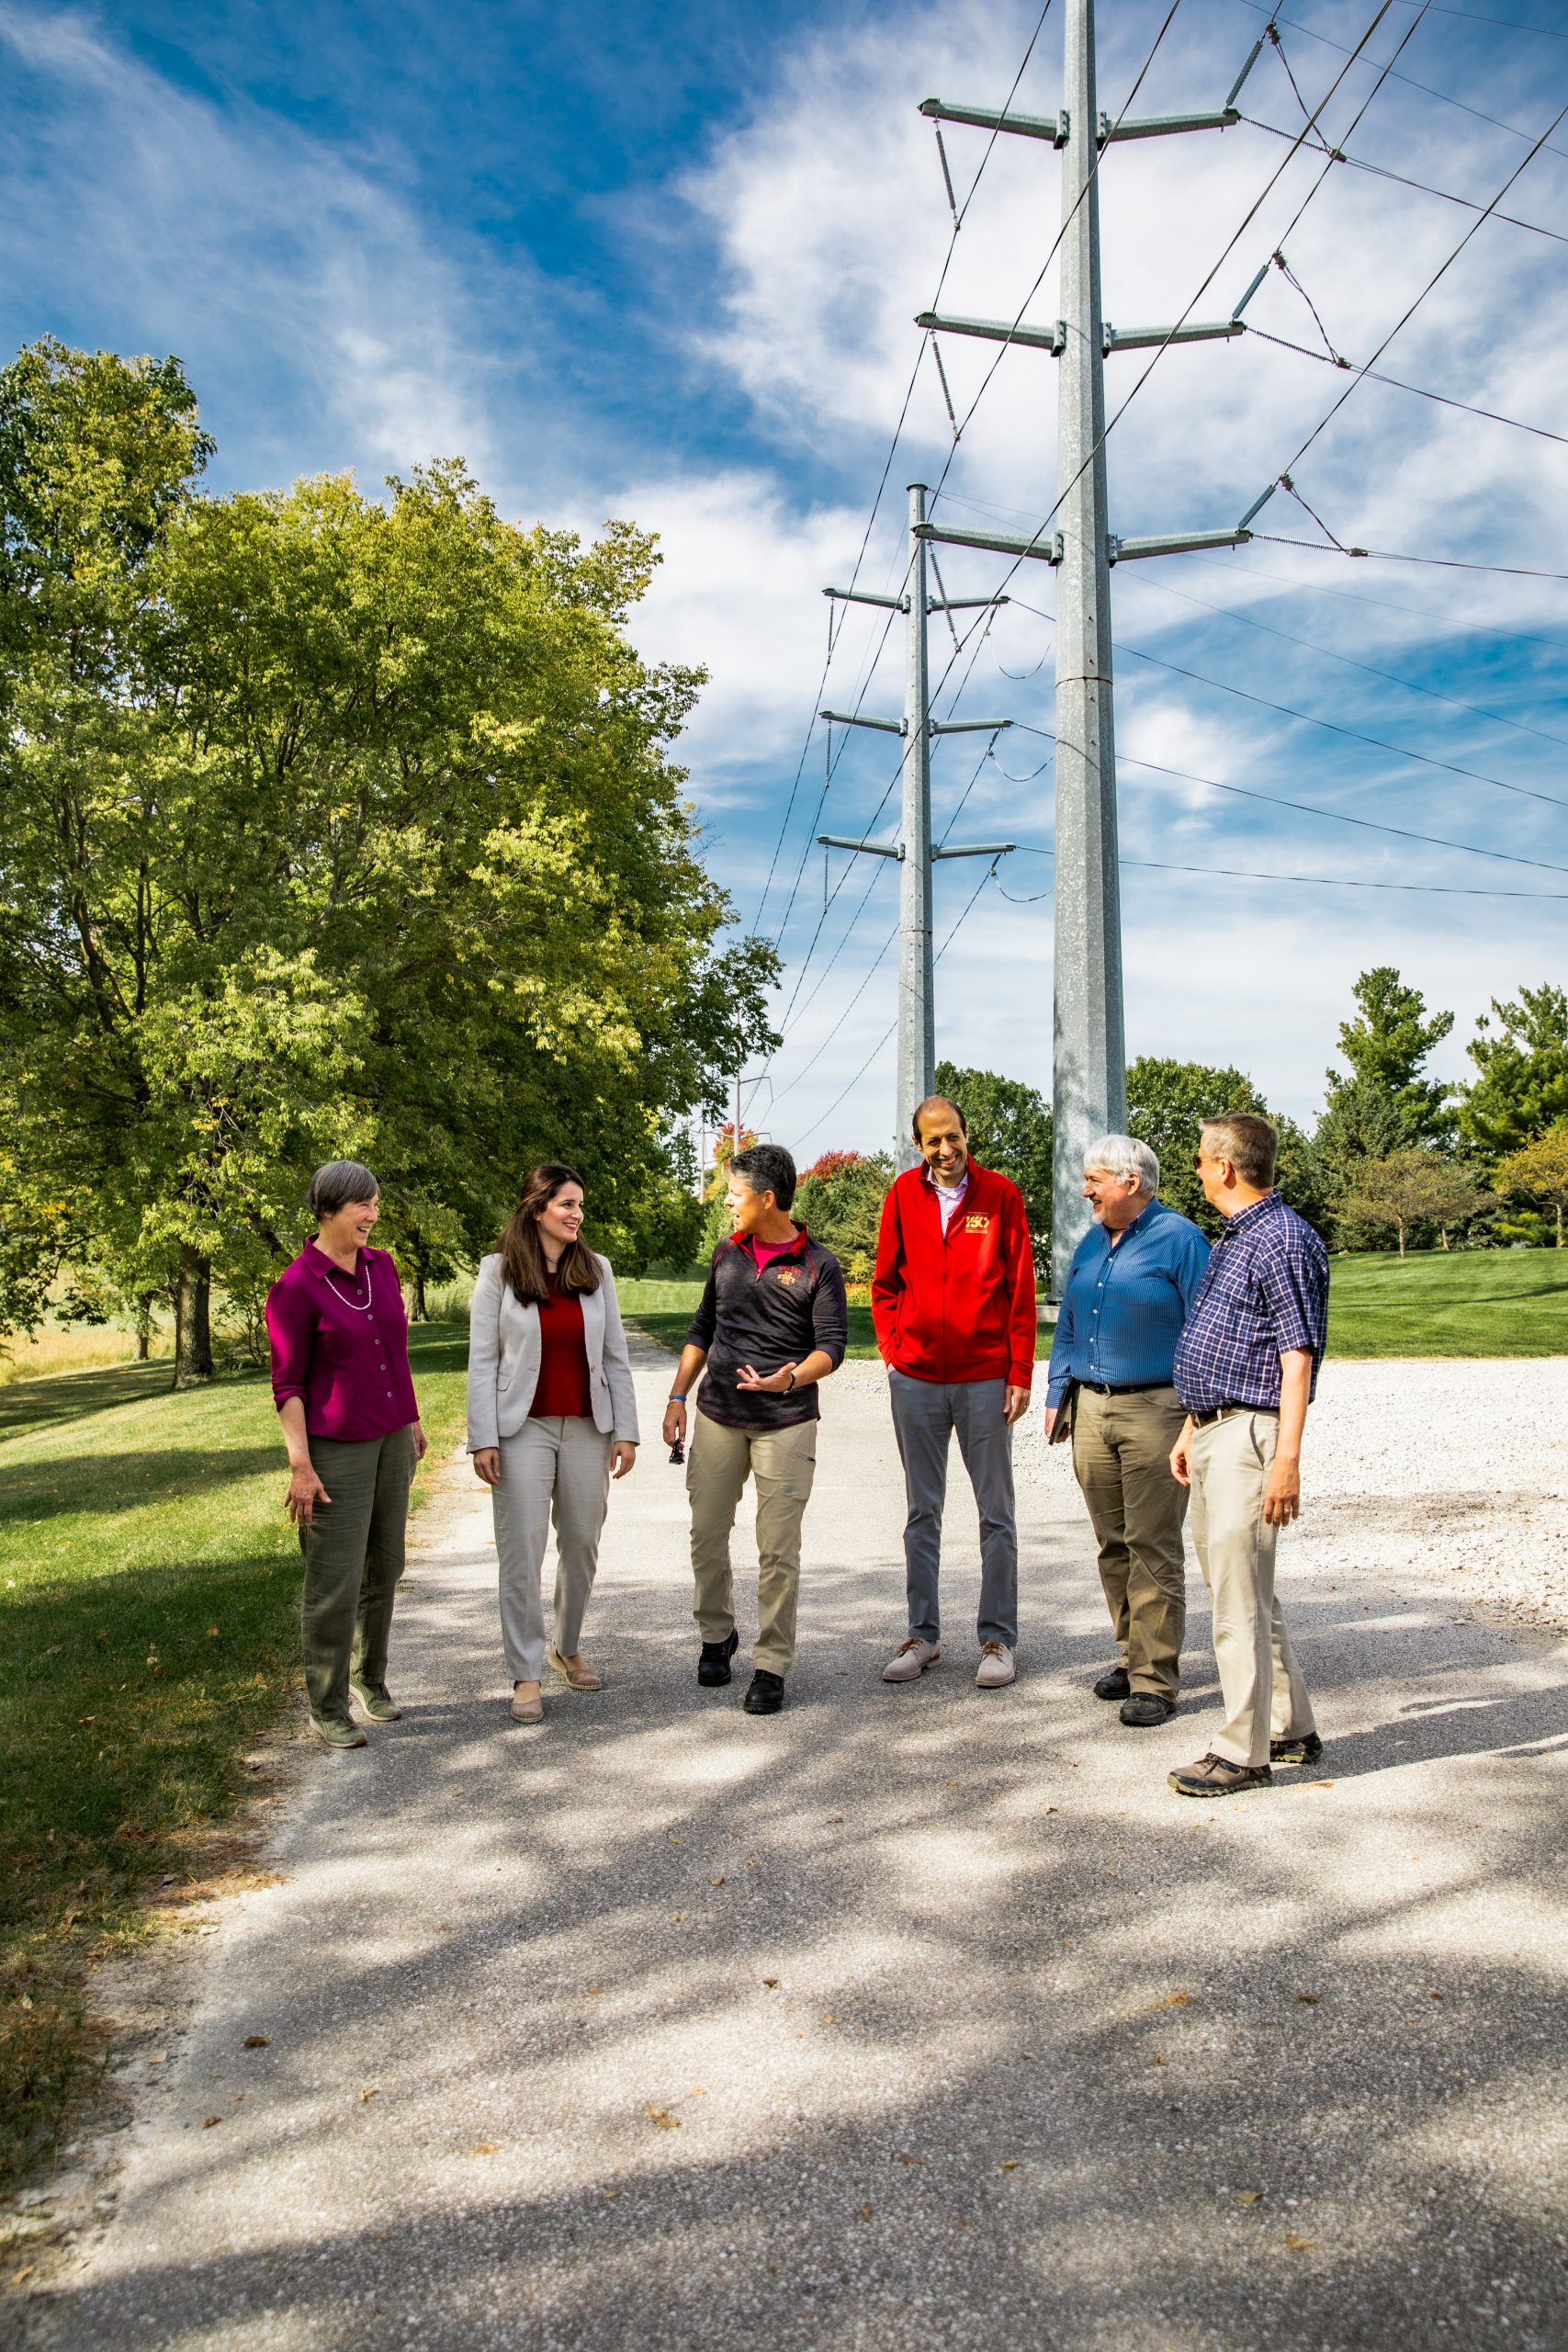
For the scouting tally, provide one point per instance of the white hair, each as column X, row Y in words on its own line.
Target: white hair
column 1123, row 1156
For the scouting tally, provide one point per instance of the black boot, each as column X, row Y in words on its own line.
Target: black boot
column 765, row 1696
column 712, row 1666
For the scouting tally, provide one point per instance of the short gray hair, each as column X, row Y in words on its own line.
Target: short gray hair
column 339, row 1182
column 1125, row 1156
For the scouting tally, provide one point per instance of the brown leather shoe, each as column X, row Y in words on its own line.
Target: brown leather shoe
column 578, row 1677
column 525, row 1711
column 1216, row 1776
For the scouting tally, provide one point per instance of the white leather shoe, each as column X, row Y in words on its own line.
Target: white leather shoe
column 997, row 1666
column 910, row 1660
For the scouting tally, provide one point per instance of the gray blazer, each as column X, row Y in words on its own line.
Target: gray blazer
column 503, row 1359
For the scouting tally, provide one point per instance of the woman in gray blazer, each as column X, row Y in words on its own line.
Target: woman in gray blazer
column 552, row 1417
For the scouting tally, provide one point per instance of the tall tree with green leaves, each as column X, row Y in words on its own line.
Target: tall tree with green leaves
column 1168, row 1102
column 1009, row 1130
column 1520, row 1089
column 1387, row 1046
column 362, row 836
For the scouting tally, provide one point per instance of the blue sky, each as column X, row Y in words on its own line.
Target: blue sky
column 664, row 263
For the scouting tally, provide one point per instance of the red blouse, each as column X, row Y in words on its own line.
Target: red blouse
column 563, row 1388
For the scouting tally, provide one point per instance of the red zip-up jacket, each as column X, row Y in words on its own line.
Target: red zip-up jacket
column 959, row 1305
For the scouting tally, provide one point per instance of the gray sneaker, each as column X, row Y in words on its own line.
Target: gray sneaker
column 376, row 1699
column 910, row 1660
column 997, row 1666
column 337, row 1731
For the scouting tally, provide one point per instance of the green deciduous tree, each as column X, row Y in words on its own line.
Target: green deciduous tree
column 335, row 826
column 839, row 1200
column 1521, row 1088
column 1166, row 1103
column 1409, row 1189
column 1539, row 1171
column 1009, row 1130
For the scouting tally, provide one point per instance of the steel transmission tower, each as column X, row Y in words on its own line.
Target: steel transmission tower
column 917, row 1009
column 1089, row 1080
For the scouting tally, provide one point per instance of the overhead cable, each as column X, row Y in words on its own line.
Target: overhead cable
column 1442, row 399
column 1438, row 562
column 1316, row 881
column 1333, row 726
column 1336, row 817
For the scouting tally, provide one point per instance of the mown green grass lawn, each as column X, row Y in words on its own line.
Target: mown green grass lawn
column 148, row 1590
column 1437, row 1302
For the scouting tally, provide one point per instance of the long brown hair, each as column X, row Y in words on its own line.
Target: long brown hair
column 521, row 1252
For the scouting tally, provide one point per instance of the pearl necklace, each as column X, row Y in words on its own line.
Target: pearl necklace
column 360, row 1306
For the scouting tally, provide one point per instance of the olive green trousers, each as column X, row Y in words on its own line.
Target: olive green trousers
column 353, row 1556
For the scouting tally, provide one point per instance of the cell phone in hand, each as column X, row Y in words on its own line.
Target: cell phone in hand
column 677, row 1451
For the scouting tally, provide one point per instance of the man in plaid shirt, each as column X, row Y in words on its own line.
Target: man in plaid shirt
column 1247, row 1370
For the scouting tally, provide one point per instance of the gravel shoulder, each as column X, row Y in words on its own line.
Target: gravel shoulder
column 913, row 2014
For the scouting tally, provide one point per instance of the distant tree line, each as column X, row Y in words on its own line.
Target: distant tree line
column 330, row 826
column 1395, row 1157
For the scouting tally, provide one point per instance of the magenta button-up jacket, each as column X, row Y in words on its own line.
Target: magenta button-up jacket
column 351, row 1366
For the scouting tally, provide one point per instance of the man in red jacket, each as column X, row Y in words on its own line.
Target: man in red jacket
column 953, row 1298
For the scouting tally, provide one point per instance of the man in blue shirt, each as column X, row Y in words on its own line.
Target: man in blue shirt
column 1247, row 1371
column 1132, row 1278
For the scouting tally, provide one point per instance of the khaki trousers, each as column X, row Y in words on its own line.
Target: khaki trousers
column 553, row 1466
column 353, row 1556
column 1260, row 1682
column 1121, row 1459
column 719, row 1462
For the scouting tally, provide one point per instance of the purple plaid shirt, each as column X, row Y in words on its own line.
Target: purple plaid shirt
column 1264, row 1292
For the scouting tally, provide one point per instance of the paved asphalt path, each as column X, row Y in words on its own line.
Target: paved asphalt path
column 912, row 2017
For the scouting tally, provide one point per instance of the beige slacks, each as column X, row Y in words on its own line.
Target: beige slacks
column 1260, row 1682
column 554, row 1468
column 719, row 1459
column 1122, row 1460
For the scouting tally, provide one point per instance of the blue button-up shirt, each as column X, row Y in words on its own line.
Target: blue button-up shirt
column 1122, row 1308
column 1265, row 1293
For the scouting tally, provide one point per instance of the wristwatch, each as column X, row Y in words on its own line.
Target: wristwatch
column 791, row 1379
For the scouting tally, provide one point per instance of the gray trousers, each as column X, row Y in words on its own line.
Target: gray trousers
column 925, row 1414
column 353, row 1556
column 555, row 1466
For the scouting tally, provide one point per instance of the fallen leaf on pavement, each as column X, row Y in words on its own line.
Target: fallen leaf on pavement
column 595, row 1992
column 1052, row 1808
column 252, row 2042
column 610, row 2195
column 718, row 1880
column 829, row 2019
column 1320, row 1784
column 865, row 2212
column 484, row 2148
column 665, row 2122
column 1309, row 2000
column 1247, row 2196
column 911, row 2160
column 832, row 1818
column 1177, row 2001
column 369, row 2094
column 770, row 1982
column 1300, row 2245
column 158, row 2058
column 209, row 2120
column 1009, row 2163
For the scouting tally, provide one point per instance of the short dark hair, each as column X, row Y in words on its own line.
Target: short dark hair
column 767, row 1168
column 1249, row 1143
column 930, row 1104
column 340, row 1181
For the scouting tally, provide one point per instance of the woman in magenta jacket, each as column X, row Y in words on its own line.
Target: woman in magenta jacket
column 338, row 1329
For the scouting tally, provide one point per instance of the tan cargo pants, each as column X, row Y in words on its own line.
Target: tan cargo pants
column 1260, row 1682
column 1121, row 1459
column 719, row 1459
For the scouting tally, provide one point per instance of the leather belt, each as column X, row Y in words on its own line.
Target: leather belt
column 1127, row 1388
column 1202, row 1421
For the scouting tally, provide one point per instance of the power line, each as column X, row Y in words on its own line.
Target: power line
column 888, row 1030
column 1315, row 881
column 875, row 504
column 1335, row 816
column 1424, row 87
column 1403, row 179
column 1437, row 275
column 1390, row 677
column 1443, row 399
column 1333, row 726
column 1378, row 604
column 1438, row 562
